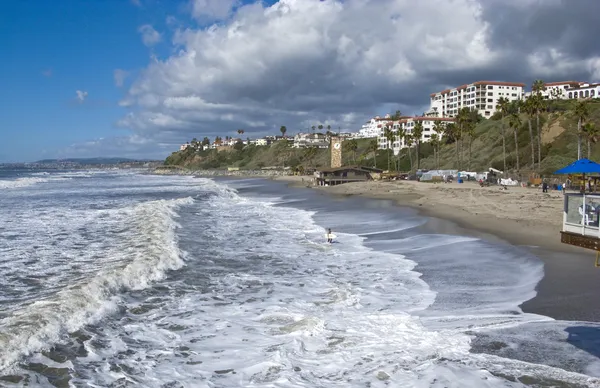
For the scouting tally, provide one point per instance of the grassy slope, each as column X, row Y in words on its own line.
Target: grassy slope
column 557, row 151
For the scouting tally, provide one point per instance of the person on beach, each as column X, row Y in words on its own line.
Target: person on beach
column 329, row 239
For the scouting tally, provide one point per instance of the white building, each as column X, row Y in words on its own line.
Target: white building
column 481, row 96
column 374, row 127
column 184, row 147
column 407, row 124
column 567, row 90
column 302, row 140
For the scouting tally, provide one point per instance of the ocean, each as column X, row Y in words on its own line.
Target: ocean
column 123, row 279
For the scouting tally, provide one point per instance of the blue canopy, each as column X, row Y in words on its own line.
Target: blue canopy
column 582, row 166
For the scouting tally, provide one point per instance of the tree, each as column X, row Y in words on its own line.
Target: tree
column 313, row 128
column 329, row 128
column 352, row 145
column 504, row 106
column 320, row 127
column 435, row 140
column 240, row 131
column 453, row 133
column 399, row 136
column 373, row 146
column 396, row 115
column 283, row 130
column 439, row 127
column 515, row 123
column 417, row 135
column 539, row 105
column 389, row 137
column 408, row 142
column 530, row 108
column 462, row 120
column 592, row 132
column 581, row 112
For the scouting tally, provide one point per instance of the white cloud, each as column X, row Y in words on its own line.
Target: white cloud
column 150, row 36
column 137, row 3
column 120, row 76
column 81, row 95
column 302, row 62
column 212, row 9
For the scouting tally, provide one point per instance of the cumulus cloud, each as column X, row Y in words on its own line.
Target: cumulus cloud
column 303, row 62
column 81, row 95
column 203, row 10
column 119, row 76
column 150, row 36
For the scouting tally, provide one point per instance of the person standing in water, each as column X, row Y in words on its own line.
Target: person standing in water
column 329, row 239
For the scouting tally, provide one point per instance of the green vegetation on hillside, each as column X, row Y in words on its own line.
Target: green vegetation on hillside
column 471, row 143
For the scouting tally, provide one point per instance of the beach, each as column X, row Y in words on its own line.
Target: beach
column 524, row 217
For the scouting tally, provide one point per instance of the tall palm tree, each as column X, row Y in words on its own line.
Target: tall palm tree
column 417, row 136
column 313, row 128
column 353, row 146
column 504, row 106
column 320, row 127
column 399, row 137
column 329, row 128
column 539, row 105
column 592, row 132
column 389, row 137
column 581, row 112
column 408, row 142
column 435, row 140
column 515, row 123
column 373, row 146
column 530, row 109
column 439, row 127
column 283, row 130
column 452, row 132
column 462, row 120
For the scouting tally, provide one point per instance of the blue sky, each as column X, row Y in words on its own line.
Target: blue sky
column 53, row 48
column 195, row 68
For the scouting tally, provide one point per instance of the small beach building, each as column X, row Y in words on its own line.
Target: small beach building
column 339, row 175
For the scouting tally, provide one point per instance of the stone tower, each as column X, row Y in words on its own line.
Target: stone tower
column 336, row 151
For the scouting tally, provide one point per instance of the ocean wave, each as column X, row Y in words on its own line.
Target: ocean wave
column 21, row 182
column 147, row 255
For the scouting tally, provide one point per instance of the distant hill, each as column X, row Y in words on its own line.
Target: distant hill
column 91, row 161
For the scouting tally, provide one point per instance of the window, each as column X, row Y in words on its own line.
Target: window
column 490, row 107
column 490, row 94
column 514, row 94
column 570, row 94
column 490, row 87
column 490, row 100
column 592, row 93
column 487, row 113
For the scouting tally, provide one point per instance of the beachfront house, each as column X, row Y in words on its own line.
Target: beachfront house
column 339, row 175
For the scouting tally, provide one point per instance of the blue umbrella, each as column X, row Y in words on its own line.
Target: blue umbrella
column 582, row 166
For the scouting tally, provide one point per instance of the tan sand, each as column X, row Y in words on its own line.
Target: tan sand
column 524, row 216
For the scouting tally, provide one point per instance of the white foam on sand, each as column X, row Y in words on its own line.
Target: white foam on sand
column 267, row 307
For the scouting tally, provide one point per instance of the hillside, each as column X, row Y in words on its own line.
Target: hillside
column 558, row 133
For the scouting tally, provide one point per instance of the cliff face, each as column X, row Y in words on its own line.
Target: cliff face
column 558, row 135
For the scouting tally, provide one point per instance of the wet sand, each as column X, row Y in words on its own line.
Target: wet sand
column 520, row 216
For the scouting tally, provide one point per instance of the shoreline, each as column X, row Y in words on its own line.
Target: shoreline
column 522, row 217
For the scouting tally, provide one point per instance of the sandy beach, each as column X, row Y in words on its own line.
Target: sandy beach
column 525, row 217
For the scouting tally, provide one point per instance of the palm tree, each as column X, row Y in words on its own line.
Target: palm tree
column 462, row 120
column 592, row 132
column 515, row 123
column 530, row 108
column 504, row 106
column 435, row 141
column 581, row 112
column 283, row 130
column 396, row 116
column 453, row 132
column 313, row 128
column 408, row 142
column 320, row 127
column 373, row 146
column 399, row 136
column 389, row 136
column 417, row 135
column 439, row 127
column 329, row 128
column 353, row 146
column 539, row 105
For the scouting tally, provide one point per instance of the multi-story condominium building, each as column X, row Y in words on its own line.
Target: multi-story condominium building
column 567, row 90
column 481, row 96
column 374, row 127
column 406, row 125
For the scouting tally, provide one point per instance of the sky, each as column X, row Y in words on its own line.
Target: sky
column 137, row 78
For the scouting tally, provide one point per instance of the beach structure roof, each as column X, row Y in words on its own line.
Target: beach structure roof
column 346, row 168
column 581, row 166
